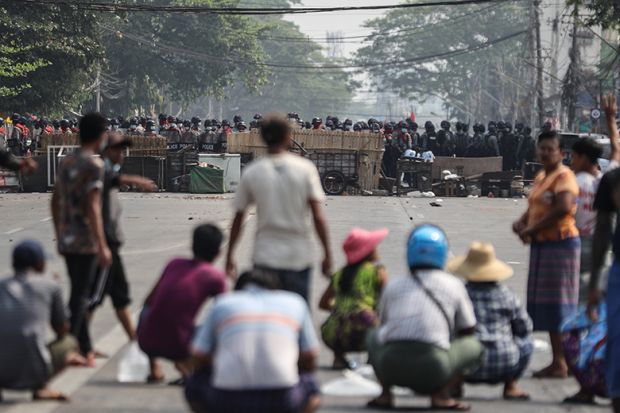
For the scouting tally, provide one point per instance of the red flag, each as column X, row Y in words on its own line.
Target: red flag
column 412, row 116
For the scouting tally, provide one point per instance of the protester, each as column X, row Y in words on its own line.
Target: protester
column 25, row 165
column 77, row 214
column 549, row 225
column 504, row 327
column 112, row 281
column 353, row 294
column 607, row 205
column 425, row 341
column 167, row 321
column 286, row 189
column 257, row 351
column 30, row 303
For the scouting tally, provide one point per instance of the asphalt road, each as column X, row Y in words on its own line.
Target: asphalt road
column 158, row 227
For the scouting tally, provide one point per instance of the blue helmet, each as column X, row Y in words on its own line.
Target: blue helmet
column 427, row 247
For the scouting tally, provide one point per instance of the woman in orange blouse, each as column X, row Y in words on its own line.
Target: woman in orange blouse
column 549, row 226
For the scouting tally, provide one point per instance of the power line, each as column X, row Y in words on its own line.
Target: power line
column 384, row 32
column 243, row 11
column 212, row 58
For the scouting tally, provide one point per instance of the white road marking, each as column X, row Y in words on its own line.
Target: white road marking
column 13, row 231
column 46, row 219
column 513, row 263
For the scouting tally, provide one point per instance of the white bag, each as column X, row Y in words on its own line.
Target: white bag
column 133, row 367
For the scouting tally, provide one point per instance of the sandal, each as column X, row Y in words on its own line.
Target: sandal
column 455, row 407
column 580, row 399
column 49, row 395
column 524, row 397
column 177, row 382
column 551, row 373
column 155, row 379
column 379, row 404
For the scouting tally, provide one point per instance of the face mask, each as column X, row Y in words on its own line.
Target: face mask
column 113, row 166
column 404, row 130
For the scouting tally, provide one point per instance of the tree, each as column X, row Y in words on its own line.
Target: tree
column 455, row 54
column 52, row 49
column 10, row 68
column 156, row 58
column 604, row 12
column 308, row 92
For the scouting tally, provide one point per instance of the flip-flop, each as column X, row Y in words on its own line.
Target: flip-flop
column 379, row 405
column 548, row 373
column 155, row 380
column 53, row 396
column 177, row 382
column 520, row 398
column 579, row 401
column 456, row 407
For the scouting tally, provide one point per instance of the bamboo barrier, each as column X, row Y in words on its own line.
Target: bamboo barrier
column 369, row 147
column 140, row 145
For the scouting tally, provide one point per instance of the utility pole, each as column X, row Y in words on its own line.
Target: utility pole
column 539, row 64
column 98, row 91
column 572, row 76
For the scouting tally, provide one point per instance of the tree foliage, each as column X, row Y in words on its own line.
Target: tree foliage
column 155, row 58
column 604, row 12
column 305, row 91
column 477, row 85
column 51, row 49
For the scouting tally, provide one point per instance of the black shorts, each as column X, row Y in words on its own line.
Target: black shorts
column 111, row 281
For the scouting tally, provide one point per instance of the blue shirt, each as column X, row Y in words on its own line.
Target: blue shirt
column 255, row 337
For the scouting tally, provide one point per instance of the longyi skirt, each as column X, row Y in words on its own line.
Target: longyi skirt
column 553, row 283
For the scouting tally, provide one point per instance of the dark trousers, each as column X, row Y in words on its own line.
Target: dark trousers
column 293, row 281
column 81, row 269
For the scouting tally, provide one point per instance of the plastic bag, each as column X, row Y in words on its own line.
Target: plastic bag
column 133, row 367
column 584, row 342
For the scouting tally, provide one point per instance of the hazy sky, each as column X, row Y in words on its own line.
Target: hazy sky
column 348, row 22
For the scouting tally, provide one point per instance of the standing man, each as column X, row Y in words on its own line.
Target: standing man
column 112, row 281
column 607, row 205
column 286, row 190
column 78, row 221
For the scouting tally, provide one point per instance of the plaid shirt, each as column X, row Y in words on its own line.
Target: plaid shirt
column 504, row 328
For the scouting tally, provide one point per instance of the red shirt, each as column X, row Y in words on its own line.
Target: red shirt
column 167, row 325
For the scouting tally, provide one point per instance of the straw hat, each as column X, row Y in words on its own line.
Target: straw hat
column 360, row 243
column 480, row 265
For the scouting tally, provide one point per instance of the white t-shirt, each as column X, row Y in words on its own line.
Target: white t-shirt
column 408, row 313
column 281, row 187
column 588, row 185
column 428, row 156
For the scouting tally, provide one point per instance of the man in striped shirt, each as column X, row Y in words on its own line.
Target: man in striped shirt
column 257, row 349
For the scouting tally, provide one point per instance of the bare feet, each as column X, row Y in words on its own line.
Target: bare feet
column 75, row 359
column 91, row 360
column 47, row 395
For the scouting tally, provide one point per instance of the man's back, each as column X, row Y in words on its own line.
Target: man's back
column 281, row 187
column 78, row 174
column 256, row 336
column 28, row 303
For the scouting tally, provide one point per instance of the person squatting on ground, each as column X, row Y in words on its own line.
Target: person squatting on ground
column 286, row 190
column 504, row 327
column 426, row 340
column 78, row 222
column 166, row 324
column 549, row 226
column 256, row 352
column 353, row 295
column 30, row 303
column 112, row 281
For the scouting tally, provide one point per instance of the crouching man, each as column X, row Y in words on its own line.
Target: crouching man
column 29, row 303
column 255, row 353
